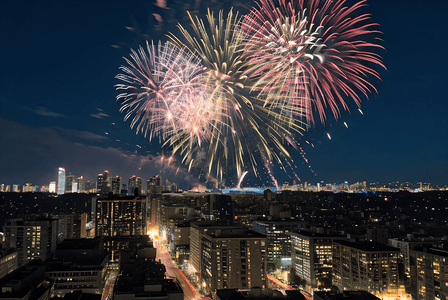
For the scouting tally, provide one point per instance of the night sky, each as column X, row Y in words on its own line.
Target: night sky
column 58, row 109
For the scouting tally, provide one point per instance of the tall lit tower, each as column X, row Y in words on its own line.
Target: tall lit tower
column 135, row 186
column 61, row 181
column 103, row 182
column 69, row 180
column 116, row 185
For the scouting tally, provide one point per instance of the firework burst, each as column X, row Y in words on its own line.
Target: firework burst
column 243, row 126
column 164, row 94
column 308, row 55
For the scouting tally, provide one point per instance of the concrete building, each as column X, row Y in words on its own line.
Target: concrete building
column 121, row 216
column 135, row 186
column 79, row 264
column 8, row 261
column 431, row 268
column 103, row 183
column 279, row 241
column 312, row 258
column 26, row 282
column 32, row 239
column 366, row 266
column 228, row 257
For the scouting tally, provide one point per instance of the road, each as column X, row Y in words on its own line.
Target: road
column 109, row 285
column 173, row 271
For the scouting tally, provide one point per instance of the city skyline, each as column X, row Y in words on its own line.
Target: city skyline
column 67, row 114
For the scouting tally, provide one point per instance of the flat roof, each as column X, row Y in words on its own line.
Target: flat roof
column 368, row 246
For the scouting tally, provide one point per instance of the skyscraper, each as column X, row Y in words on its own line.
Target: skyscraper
column 116, row 185
column 103, row 182
column 135, row 185
column 61, row 181
column 153, row 185
column 69, row 179
column 81, row 187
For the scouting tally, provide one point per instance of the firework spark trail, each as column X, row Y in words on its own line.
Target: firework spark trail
column 307, row 55
column 243, row 125
column 165, row 95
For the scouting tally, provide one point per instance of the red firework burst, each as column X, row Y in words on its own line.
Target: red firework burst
column 307, row 55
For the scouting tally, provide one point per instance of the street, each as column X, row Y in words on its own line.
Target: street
column 173, row 271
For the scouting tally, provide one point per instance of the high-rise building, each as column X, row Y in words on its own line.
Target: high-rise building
column 33, row 239
column 15, row 188
column 81, row 186
column 311, row 258
column 120, row 216
column 88, row 186
column 69, row 179
column 116, row 185
column 366, row 266
column 279, row 240
column 103, row 183
column 75, row 186
column 2, row 189
column 228, row 257
column 52, row 187
column 61, row 181
column 153, row 186
column 8, row 188
column 431, row 268
column 135, row 186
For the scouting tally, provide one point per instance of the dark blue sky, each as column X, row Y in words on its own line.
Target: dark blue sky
column 57, row 101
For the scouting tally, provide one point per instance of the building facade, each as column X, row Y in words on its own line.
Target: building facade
column 61, row 181
column 312, row 257
column 120, row 216
column 32, row 239
column 431, row 268
column 366, row 266
column 229, row 257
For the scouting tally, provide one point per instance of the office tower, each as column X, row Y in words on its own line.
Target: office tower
column 15, row 188
column 32, row 238
column 228, row 257
column 311, row 258
column 116, row 185
column 135, row 186
column 8, row 188
column 61, row 181
column 366, row 266
column 88, row 186
column 118, row 220
column 2, row 189
column 103, row 183
column 69, row 179
column 120, row 217
column 431, row 269
column 52, row 187
column 153, row 186
column 279, row 240
column 81, row 186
